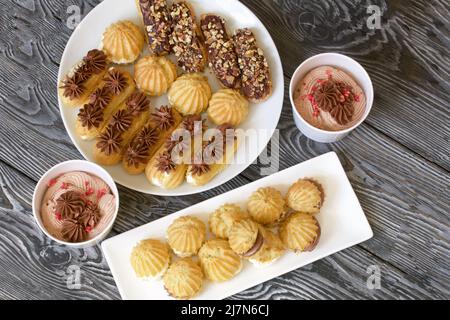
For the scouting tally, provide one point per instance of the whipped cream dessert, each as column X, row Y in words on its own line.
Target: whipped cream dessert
column 77, row 206
column 329, row 99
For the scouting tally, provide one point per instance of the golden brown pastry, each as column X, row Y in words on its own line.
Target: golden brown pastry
column 167, row 168
column 300, row 232
column 78, row 84
column 218, row 261
column 186, row 235
column 271, row 249
column 183, row 279
column 190, row 94
column 215, row 156
column 245, row 238
column 154, row 75
column 227, row 106
column 123, row 126
column 151, row 137
column 122, row 42
column 158, row 25
column 256, row 79
column 266, row 205
column 222, row 57
column 186, row 38
column 223, row 218
column 92, row 118
column 305, row 195
column 150, row 259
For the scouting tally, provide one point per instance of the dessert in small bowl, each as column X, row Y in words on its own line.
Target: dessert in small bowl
column 331, row 94
column 75, row 203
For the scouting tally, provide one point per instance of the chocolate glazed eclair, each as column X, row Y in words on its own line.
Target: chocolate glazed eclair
column 151, row 137
column 123, row 126
column 163, row 170
column 92, row 118
column 158, row 25
column 256, row 79
column 74, row 90
column 186, row 38
column 222, row 57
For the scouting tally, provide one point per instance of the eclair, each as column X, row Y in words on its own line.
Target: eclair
column 222, row 57
column 186, row 38
column 92, row 118
column 158, row 25
column 151, row 137
column 123, row 126
column 255, row 72
column 166, row 171
column 217, row 154
column 78, row 84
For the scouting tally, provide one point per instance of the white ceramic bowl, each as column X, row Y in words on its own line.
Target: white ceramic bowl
column 340, row 61
column 68, row 166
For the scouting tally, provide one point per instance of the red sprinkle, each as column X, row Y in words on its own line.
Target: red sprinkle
column 88, row 229
column 58, row 216
column 357, row 98
column 88, row 202
column 86, row 183
column 64, row 186
column 51, row 183
column 89, row 191
column 101, row 193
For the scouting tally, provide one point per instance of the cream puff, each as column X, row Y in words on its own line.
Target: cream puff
column 266, row 205
column 227, row 106
column 300, row 232
column 154, row 75
column 186, row 235
column 190, row 94
column 271, row 249
column 246, row 238
column 305, row 195
column 150, row 259
column 218, row 261
column 222, row 219
column 183, row 279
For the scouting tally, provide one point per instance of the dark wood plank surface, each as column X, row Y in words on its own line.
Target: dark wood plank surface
column 397, row 161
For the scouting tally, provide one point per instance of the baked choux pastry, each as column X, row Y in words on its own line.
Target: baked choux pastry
column 92, row 118
column 245, row 238
column 183, row 279
column 300, row 232
column 223, row 218
column 186, row 235
column 122, row 42
column 215, row 156
column 151, row 137
column 157, row 24
column 167, row 168
column 78, row 84
column 123, row 126
column 190, row 94
column 154, row 75
column 218, row 261
column 227, row 106
column 255, row 70
column 150, row 259
column 186, row 41
column 271, row 249
column 266, row 205
column 305, row 195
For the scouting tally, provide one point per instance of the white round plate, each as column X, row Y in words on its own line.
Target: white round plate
column 263, row 117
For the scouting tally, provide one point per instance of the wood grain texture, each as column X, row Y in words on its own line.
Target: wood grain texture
column 397, row 161
column 407, row 59
column 33, row 267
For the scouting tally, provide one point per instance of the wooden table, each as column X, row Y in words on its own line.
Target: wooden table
column 397, row 160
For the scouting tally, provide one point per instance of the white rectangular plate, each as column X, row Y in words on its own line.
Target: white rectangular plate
column 342, row 220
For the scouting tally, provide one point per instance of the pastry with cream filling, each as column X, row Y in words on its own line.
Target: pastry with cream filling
column 183, row 279
column 150, row 259
column 186, row 235
column 300, row 232
column 305, row 195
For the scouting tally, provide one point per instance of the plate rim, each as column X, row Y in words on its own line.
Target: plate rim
column 172, row 192
column 366, row 234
